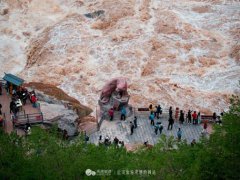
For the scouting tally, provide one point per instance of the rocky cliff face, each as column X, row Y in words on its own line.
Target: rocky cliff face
column 60, row 96
column 181, row 53
column 57, row 106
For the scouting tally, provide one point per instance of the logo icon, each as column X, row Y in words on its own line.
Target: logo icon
column 89, row 172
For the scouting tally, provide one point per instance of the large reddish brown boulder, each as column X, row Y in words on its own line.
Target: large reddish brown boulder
column 117, row 84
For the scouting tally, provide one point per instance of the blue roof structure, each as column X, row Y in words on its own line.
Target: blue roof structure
column 13, row 79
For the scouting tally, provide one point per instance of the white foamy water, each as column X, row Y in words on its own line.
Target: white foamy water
column 172, row 52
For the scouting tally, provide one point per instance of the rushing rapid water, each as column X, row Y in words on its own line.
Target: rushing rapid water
column 172, row 52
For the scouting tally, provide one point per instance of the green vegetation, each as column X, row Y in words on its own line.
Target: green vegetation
column 43, row 155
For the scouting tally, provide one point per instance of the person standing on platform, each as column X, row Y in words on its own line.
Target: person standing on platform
column 131, row 127
column 115, row 141
column 135, row 122
column 179, row 134
column 214, row 117
column 156, row 128
column 189, row 116
column 170, row 112
column 123, row 113
column 181, row 118
column 155, row 111
column 13, row 108
column 159, row 111
column 193, row 142
column 111, row 114
column 160, row 127
column 34, row 101
column 170, row 123
column 151, row 118
column 199, row 118
column 205, row 125
column 24, row 95
column 176, row 113
column 151, row 108
column 194, row 116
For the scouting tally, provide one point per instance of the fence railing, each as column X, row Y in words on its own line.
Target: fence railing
column 208, row 118
column 165, row 112
column 35, row 118
column 3, row 82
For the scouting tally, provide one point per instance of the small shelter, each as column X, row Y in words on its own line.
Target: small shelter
column 13, row 82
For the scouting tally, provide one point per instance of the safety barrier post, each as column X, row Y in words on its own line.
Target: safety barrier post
column 27, row 119
column 42, row 116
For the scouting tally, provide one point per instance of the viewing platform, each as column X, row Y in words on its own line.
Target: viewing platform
column 26, row 114
column 144, row 131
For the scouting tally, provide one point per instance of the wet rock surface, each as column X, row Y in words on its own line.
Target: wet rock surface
column 65, row 119
column 57, row 107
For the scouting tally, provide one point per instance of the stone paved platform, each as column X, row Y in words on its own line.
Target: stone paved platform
column 144, row 131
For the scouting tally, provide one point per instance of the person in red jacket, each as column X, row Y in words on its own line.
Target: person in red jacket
column 111, row 113
column 194, row 116
column 34, row 101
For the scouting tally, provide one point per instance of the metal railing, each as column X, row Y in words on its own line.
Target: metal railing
column 165, row 112
column 209, row 118
column 35, row 118
column 3, row 83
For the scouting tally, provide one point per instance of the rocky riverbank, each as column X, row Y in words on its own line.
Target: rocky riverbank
column 57, row 107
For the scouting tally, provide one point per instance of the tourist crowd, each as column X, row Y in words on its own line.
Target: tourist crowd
column 155, row 112
column 19, row 98
column 192, row 117
column 107, row 141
